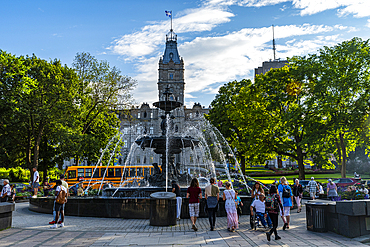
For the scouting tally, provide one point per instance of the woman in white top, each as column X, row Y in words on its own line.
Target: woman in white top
column 232, row 216
column 257, row 190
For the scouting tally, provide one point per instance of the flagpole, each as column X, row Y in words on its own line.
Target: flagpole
column 171, row 25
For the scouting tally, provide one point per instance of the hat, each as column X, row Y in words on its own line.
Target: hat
column 312, row 178
column 329, row 180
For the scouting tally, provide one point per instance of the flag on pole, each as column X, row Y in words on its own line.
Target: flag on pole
column 168, row 13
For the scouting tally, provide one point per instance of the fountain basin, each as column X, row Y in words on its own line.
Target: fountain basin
column 127, row 208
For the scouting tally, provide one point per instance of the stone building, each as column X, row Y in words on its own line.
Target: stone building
column 267, row 65
column 145, row 119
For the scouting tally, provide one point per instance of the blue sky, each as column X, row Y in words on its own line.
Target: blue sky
column 219, row 40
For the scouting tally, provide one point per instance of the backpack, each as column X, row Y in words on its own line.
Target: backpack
column 271, row 203
column 61, row 198
column 286, row 192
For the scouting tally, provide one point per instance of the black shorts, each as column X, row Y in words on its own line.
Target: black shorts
column 58, row 207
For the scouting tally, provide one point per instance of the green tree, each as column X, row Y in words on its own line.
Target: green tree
column 339, row 77
column 277, row 118
column 102, row 92
column 221, row 109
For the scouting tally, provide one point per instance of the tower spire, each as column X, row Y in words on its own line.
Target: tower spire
column 273, row 42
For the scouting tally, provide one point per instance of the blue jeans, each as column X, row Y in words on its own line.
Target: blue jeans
column 262, row 219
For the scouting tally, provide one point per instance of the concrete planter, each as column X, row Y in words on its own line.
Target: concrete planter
column 6, row 214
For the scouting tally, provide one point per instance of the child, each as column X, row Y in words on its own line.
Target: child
column 259, row 205
column 239, row 205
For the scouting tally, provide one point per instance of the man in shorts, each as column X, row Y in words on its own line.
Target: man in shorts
column 35, row 182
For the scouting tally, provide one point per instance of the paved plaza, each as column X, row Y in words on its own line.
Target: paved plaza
column 32, row 229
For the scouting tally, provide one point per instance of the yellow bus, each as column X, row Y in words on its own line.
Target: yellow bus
column 77, row 174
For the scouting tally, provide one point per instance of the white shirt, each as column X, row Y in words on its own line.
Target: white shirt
column 259, row 205
column 6, row 190
column 36, row 177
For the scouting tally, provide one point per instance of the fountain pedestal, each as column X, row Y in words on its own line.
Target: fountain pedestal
column 163, row 209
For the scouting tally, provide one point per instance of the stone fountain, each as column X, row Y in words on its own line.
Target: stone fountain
column 167, row 146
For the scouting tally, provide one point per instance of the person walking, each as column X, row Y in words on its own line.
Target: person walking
column 6, row 191
column 273, row 211
column 212, row 195
column 35, row 182
column 313, row 187
column 232, row 216
column 297, row 193
column 285, row 192
column 331, row 190
column 60, row 200
column 194, row 194
column 13, row 192
column 256, row 191
column 176, row 190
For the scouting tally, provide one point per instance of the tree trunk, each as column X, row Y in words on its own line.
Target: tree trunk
column 344, row 152
column 36, row 149
column 339, row 161
column 301, row 173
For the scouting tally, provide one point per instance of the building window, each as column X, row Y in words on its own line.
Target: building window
column 125, row 145
column 197, row 114
column 151, row 115
column 145, row 114
column 170, row 76
column 138, row 131
column 138, row 115
column 176, row 128
column 190, row 115
column 138, row 159
column 151, row 130
column 151, row 160
column 125, row 130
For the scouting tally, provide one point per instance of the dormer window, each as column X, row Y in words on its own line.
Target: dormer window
column 171, row 55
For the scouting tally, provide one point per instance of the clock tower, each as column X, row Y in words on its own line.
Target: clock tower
column 171, row 70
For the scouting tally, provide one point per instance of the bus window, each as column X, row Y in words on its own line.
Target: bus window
column 71, row 174
column 139, row 172
column 96, row 173
column 88, row 172
column 151, row 171
column 132, row 172
column 126, row 173
column 80, row 172
column 146, row 171
column 110, row 172
column 118, row 172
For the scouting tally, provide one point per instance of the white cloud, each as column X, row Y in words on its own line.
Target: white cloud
column 146, row 41
column 358, row 8
column 368, row 23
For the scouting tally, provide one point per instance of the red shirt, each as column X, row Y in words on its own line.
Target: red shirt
column 194, row 194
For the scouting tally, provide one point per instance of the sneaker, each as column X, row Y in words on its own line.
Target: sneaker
column 268, row 235
column 52, row 222
column 61, row 225
column 53, row 226
column 194, row 228
column 277, row 237
column 34, row 196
